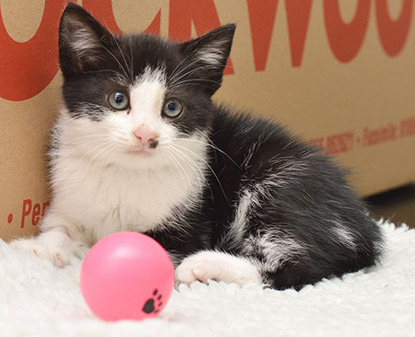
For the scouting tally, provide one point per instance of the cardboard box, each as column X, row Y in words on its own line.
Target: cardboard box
column 339, row 73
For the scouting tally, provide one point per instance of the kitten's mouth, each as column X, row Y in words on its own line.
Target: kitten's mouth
column 138, row 152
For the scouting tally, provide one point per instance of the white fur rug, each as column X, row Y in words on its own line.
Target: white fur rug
column 37, row 299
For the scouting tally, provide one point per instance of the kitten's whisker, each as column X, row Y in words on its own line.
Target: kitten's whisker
column 173, row 82
column 97, row 160
column 194, row 83
column 72, row 145
column 208, row 165
column 190, row 161
column 180, row 74
column 115, row 148
column 119, row 63
column 199, row 80
column 123, row 57
column 93, row 150
column 180, row 168
column 223, row 152
column 211, row 144
column 177, row 76
column 102, row 146
column 90, row 136
column 131, row 62
column 104, row 71
column 177, row 71
column 210, row 168
column 177, row 68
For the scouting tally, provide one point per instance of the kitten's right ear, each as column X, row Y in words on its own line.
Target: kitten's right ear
column 82, row 41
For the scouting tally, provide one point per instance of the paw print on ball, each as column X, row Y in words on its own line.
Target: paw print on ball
column 153, row 304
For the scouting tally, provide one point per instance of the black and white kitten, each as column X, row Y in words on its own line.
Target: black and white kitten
column 140, row 146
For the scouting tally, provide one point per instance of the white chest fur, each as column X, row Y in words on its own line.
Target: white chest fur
column 110, row 199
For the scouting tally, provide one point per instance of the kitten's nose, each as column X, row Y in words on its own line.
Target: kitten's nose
column 146, row 136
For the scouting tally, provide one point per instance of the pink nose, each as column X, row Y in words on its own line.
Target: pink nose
column 146, row 136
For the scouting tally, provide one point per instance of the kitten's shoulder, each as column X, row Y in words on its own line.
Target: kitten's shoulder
column 246, row 130
column 244, row 124
column 261, row 145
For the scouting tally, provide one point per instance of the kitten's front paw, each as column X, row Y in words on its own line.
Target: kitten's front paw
column 193, row 269
column 57, row 256
column 217, row 266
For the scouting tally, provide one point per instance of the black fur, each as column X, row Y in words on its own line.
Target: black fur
column 301, row 195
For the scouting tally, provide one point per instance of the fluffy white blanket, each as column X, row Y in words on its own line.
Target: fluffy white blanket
column 38, row 299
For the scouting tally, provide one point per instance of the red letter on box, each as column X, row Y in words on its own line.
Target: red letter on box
column 35, row 214
column 298, row 16
column 26, row 209
column 26, row 68
column 261, row 17
column 393, row 33
column 345, row 39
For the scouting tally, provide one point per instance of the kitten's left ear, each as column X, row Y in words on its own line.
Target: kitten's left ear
column 210, row 53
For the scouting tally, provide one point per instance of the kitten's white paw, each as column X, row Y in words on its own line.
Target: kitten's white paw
column 57, row 256
column 192, row 270
column 217, row 266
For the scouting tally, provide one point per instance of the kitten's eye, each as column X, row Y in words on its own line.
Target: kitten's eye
column 173, row 108
column 118, row 100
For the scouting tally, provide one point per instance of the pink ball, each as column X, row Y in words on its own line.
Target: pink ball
column 127, row 275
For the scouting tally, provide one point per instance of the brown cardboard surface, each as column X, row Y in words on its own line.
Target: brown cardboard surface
column 342, row 77
column 24, row 128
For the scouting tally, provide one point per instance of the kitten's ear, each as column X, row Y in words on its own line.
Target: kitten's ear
column 210, row 53
column 82, row 41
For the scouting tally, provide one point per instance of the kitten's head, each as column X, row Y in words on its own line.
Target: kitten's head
column 137, row 100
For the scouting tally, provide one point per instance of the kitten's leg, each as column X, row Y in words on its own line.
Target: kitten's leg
column 293, row 246
column 56, row 241
column 218, row 266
